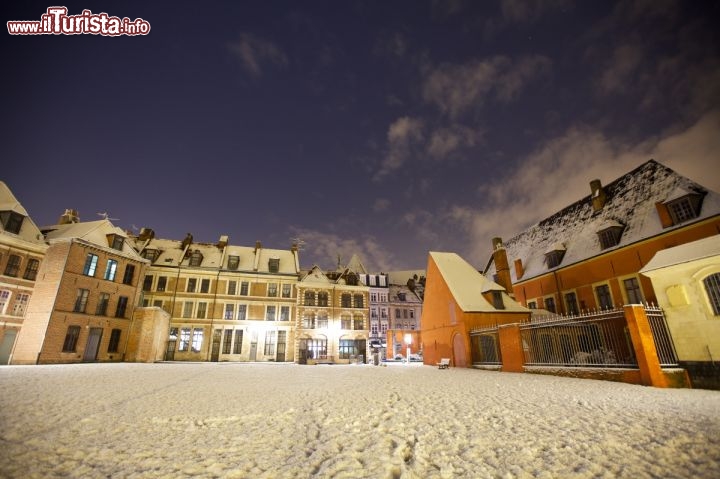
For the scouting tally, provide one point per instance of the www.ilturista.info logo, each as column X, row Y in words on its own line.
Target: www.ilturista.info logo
column 57, row 22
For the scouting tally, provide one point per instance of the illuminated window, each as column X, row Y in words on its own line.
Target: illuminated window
column 197, row 340
column 284, row 313
column 111, row 270
column 20, row 306
column 184, row 339
column 90, row 265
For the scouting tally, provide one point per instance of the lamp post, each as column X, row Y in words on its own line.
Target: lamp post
column 408, row 342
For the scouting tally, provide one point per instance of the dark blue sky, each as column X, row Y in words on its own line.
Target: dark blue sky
column 384, row 128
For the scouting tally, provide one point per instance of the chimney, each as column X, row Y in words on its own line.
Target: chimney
column 598, row 196
column 519, row 270
column 70, row 216
column 187, row 241
column 222, row 242
column 146, row 234
column 258, row 245
column 294, row 247
column 501, row 266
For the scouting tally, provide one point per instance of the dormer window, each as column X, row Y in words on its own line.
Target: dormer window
column 116, row 241
column 351, row 279
column 233, row 262
column 684, row 208
column 498, row 300
column 610, row 235
column 11, row 221
column 150, row 254
column 274, row 265
column 401, row 296
column 196, row 258
column 554, row 256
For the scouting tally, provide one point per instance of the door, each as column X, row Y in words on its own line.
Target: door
column 7, row 345
column 281, row 346
column 93, row 344
column 302, row 352
column 460, row 358
column 170, row 351
column 215, row 356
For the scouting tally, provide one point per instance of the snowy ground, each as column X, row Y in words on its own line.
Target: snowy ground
column 265, row 421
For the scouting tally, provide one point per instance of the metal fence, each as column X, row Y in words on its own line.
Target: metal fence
column 599, row 339
column 661, row 334
column 485, row 346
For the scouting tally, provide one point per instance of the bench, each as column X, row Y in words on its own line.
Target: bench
column 444, row 363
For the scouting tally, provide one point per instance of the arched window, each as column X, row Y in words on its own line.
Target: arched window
column 712, row 286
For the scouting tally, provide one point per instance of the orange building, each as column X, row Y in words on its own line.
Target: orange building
column 588, row 255
column 459, row 299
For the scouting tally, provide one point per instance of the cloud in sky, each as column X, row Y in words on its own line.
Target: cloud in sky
column 254, row 52
column 443, row 141
column 328, row 246
column 456, row 88
column 573, row 159
column 403, row 135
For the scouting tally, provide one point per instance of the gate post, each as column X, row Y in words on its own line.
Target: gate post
column 511, row 349
column 651, row 373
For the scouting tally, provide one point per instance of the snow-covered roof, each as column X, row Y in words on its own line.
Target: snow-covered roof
column 315, row 275
column 28, row 230
column 402, row 277
column 631, row 201
column 467, row 284
column 397, row 292
column 356, row 266
column 684, row 253
column 93, row 232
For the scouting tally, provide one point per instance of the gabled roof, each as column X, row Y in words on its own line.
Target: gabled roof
column 356, row 266
column 467, row 285
column 93, row 232
column 28, row 231
column 685, row 253
column 315, row 275
column 630, row 203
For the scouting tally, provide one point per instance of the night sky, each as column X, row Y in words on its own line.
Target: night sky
column 382, row 128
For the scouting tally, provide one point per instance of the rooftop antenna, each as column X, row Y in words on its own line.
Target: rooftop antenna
column 106, row 216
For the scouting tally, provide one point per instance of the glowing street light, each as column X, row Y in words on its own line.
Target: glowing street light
column 408, row 342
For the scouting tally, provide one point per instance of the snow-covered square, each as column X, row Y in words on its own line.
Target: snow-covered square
column 286, row 421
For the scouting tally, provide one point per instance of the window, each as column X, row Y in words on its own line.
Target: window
column 610, row 237
column 201, row 310
column 374, row 329
column 121, row 307
column 373, row 297
column 401, row 296
column 147, row 282
column 270, row 313
column 383, row 327
column 346, row 300
column 309, row 298
column 31, row 269
column 4, row 299
column 685, row 208
column 284, row 313
column 358, row 300
column 71, row 338
column 184, row 339
column 603, row 296
column 269, row 343
column 345, row 321
column 114, row 341
column 632, row 288
column 308, row 321
column 11, row 221
column 81, row 300
column 272, row 290
column 187, row 309
column 322, row 320
column 571, row 303
column 233, row 262
column 532, row 305
column 232, row 287
column 712, row 287
column 111, row 270
column 150, row 254
column 322, row 298
column 20, row 306
column 397, row 313
column 242, row 311
column 204, row 285
column 197, row 340
column 286, row 290
column 237, row 347
column 383, row 313
column 274, row 265
column 497, row 300
column 550, row 304
column 349, row 348
column 358, row 322
column 373, row 313
column 412, row 311
column 351, row 279
column 13, row 265
column 90, row 265
column 129, row 274
column 196, row 258
column 102, row 305
column 117, row 242
column 191, row 285
column 554, row 258
column 227, row 341
column 244, row 286
column 405, row 313
column 229, row 311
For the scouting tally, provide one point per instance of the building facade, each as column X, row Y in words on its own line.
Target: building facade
column 22, row 249
column 226, row 302
column 589, row 255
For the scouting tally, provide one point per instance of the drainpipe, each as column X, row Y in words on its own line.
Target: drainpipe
column 214, row 302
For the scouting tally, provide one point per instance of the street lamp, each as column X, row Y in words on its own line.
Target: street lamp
column 408, row 342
